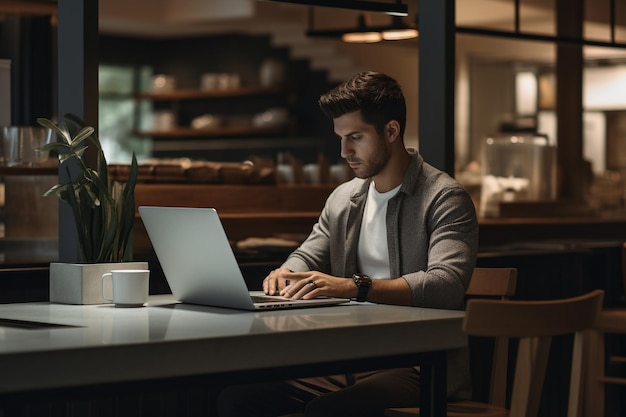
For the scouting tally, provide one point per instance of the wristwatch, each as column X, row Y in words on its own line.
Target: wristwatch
column 363, row 283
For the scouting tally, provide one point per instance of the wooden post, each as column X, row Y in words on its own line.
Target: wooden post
column 572, row 171
column 77, row 90
column 436, row 83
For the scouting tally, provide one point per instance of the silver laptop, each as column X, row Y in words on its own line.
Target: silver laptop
column 199, row 264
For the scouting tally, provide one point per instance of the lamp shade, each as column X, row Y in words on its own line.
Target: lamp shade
column 399, row 34
column 362, row 37
column 399, row 31
column 363, row 33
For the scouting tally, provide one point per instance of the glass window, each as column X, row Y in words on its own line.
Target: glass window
column 121, row 114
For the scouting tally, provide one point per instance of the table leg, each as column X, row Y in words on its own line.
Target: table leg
column 433, row 385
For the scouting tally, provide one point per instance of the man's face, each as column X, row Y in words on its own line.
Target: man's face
column 362, row 147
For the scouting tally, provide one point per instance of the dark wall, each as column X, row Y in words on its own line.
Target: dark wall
column 30, row 44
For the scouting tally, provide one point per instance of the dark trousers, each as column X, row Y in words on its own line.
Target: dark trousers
column 363, row 395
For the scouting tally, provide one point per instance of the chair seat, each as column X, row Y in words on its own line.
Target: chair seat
column 455, row 409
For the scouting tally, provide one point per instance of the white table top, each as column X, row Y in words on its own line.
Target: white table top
column 101, row 343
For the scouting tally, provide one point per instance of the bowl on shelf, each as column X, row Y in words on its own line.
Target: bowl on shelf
column 206, row 121
column 271, row 117
column 219, row 81
column 163, row 120
column 163, row 83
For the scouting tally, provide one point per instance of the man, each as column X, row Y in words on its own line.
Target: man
column 401, row 232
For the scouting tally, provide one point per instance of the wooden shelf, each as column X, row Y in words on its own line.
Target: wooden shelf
column 203, row 94
column 214, row 132
column 20, row 7
column 26, row 170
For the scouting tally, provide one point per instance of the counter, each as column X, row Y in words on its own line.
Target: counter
column 499, row 231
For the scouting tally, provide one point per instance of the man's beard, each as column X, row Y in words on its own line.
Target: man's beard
column 375, row 165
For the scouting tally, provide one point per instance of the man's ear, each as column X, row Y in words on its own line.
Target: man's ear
column 392, row 131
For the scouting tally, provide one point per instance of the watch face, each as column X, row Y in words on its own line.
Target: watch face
column 362, row 280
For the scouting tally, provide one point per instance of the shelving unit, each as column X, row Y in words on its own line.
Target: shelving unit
column 237, row 130
column 178, row 98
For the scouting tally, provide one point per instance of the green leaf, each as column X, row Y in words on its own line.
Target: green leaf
column 127, row 212
column 56, row 146
column 65, row 156
column 80, row 137
column 78, row 153
column 56, row 189
column 60, row 130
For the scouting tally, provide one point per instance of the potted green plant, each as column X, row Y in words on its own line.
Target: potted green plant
column 104, row 213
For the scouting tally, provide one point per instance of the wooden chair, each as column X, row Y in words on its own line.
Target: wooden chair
column 610, row 321
column 497, row 283
column 534, row 323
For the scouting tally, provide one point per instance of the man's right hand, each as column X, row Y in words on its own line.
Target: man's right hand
column 276, row 281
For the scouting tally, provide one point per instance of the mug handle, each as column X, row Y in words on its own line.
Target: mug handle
column 104, row 276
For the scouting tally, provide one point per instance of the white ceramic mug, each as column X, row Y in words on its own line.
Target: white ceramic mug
column 130, row 287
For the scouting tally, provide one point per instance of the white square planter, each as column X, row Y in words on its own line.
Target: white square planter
column 82, row 283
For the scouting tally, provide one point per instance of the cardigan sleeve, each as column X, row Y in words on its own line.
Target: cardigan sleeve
column 452, row 250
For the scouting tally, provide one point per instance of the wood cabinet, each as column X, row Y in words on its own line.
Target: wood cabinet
column 245, row 210
column 24, row 212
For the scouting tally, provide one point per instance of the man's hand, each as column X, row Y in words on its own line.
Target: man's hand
column 276, row 281
column 307, row 285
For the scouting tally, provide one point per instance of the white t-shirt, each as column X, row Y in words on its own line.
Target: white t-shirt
column 373, row 252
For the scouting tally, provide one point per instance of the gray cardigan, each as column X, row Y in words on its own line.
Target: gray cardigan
column 432, row 234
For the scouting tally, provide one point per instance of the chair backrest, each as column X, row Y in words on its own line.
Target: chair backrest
column 534, row 323
column 497, row 283
column 493, row 282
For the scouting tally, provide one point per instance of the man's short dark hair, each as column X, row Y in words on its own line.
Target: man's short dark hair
column 378, row 97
